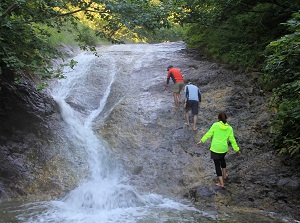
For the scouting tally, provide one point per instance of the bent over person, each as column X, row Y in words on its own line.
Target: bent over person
column 192, row 103
column 177, row 78
column 220, row 132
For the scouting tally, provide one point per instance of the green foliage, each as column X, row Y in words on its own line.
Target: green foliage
column 133, row 17
column 282, row 63
column 251, row 33
column 26, row 28
column 228, row 44
column 24, row 48
column 159, row 35
column 238, row 30
column 63, row 36
column 173, row 34
column 282, row 74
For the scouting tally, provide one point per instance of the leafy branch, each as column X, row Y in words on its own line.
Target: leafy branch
column 24, row 25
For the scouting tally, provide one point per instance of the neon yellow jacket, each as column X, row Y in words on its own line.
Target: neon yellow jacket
column 220, row 134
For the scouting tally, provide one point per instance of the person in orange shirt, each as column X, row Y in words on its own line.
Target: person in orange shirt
column 177, row 78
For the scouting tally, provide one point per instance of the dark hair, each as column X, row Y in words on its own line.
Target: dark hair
column 188, row 81
column 169, row 67
column 222, row 117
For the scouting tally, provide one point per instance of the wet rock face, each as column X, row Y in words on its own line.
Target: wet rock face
column 29, row 161
column 159, row 152
column 151, row 140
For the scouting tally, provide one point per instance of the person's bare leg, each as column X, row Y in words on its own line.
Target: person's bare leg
column 195, row 122
column 221, row 182
column 225, row 174
column 175, row 100
column 187, row 118
column 179, row 96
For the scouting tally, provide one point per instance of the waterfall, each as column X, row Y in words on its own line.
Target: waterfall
column 106, row 195
column 98, row 92
column 106, row 187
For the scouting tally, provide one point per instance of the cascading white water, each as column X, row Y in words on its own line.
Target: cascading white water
column 105, row 196
column 104, row 178
column 87, row 97
column 79, row 124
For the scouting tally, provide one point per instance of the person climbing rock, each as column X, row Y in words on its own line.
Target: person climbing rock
column 177, row 78
column 220, row 132
column 192, row 103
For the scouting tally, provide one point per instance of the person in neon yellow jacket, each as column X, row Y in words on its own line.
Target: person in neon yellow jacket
column 220, row 132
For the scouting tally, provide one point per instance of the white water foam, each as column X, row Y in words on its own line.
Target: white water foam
column 106, row 195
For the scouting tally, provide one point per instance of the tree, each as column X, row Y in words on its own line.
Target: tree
column 23, row 41
column 236, row 31
column 251, row 33
column 282, row 75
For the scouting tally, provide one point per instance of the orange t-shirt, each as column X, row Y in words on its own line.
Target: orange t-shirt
column 175, row 74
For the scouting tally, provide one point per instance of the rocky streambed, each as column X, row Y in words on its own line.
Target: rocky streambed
column 159, row 151
column 149, row 137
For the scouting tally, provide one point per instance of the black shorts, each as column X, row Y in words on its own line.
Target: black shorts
column 217, row 156
column 192, row 105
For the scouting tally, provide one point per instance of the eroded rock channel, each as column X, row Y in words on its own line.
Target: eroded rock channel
column 148, row 136
column 159, row 151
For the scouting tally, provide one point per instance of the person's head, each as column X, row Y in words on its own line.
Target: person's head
column 169, row 67
column 189, row 81
column 222, row 117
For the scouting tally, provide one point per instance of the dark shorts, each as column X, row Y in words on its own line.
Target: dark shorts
column 217, row 156
column 192, row 105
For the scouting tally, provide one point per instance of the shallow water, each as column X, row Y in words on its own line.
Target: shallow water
column 106, row 196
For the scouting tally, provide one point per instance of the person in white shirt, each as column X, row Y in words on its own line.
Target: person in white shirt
column 192, row 103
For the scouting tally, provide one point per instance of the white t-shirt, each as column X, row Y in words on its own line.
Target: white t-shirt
column 192, row 92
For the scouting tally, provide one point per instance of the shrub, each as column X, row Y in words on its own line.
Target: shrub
column 282, row 74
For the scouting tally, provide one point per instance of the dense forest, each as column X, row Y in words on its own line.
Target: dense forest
column 260, row 35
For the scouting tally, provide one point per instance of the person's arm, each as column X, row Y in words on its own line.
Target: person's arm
column 207, row 135
column 199, row 97
column 168, row 80
column 167, row 84
column 168, row 77
column 233, row 142
column 186, row 90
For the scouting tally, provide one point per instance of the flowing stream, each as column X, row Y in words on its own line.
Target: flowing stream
column 106, row 195
column 90, row 92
